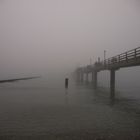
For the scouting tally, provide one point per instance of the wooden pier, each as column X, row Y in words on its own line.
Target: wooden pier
column 127, row 59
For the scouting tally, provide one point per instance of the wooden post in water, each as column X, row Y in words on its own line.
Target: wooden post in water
column 66, row 82
column 95, row 79
column 112, row 83
column 87, row 77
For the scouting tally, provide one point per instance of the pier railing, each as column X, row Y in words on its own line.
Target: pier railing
column 129, row 58
column 124, row 57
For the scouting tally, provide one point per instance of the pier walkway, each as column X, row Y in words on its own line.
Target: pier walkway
column 127, row 59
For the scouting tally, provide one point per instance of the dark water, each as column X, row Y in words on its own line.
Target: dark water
column 46, row 110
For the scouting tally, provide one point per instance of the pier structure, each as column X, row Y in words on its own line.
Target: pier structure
column 127, row 59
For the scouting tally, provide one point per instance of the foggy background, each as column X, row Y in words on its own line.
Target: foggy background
column 51, row 37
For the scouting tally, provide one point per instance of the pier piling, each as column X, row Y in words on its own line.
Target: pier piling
column 112, row 83
column 95, row 79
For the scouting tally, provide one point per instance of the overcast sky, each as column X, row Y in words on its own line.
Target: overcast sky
column 38, row 36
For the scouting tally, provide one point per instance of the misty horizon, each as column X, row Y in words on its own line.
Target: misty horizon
column 45, row 37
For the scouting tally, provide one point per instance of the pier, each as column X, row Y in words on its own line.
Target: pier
column 130, row 58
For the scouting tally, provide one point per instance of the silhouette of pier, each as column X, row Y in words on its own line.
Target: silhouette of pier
column 127, row 59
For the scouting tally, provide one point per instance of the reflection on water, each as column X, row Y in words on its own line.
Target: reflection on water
column 66, row 97
column 79, row 112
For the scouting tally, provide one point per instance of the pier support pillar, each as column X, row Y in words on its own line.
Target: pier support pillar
column 112, row 83
column 95, row 79
column 78, row 76
column 81, row 77
column 92, row 76
column 87, row 77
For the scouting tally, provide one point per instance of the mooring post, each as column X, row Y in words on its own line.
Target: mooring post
column 112, row 83
column 95, row 79
column 66, row 83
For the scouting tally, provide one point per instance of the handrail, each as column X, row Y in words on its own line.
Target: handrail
column 126, row 56
column 123, row 57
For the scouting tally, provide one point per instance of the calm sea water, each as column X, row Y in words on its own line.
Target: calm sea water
column 43, row 109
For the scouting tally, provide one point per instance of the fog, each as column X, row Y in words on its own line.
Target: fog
column 51, row 37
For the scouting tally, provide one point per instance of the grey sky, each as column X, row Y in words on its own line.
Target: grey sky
column 38, row 36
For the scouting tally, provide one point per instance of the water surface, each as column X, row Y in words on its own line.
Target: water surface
column 43, row 109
